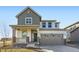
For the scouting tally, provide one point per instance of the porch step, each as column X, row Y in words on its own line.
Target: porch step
column 19, row 45
column 32, row 45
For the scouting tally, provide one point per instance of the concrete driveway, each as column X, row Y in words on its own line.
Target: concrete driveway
column 60, row 48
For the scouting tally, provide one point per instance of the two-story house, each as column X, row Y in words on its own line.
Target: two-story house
column 31, row 28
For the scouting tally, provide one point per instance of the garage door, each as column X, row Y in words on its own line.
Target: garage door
column 51, row 39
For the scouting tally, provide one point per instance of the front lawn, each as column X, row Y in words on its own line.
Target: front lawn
column 16, row 50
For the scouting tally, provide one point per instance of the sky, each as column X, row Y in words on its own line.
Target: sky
column 66, row 15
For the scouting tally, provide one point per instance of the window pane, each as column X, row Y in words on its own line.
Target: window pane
column 43, row 25
column 56, row 24
column 28, row 20
column 50, row 25
column 24, row 34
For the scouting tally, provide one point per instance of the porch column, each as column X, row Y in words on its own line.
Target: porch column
column 29, row 34
column 38, row 35
column 14, row 35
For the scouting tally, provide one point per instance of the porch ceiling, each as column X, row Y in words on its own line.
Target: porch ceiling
column 25, row 27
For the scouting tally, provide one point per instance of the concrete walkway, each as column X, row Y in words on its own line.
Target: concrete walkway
column 60, row 48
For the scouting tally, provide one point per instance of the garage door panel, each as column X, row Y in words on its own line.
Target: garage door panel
column 48, row 39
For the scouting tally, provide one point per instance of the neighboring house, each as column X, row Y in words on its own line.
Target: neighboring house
column 74, row 32
column 6, row 42
column 31, row 28
column 6, row 39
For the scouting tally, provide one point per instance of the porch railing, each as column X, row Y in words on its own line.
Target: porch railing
column 26, row 41
column 21, row 40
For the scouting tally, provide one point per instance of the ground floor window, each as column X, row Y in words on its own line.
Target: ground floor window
column 24, row 34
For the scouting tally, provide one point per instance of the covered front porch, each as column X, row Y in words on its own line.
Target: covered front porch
column 24, row 34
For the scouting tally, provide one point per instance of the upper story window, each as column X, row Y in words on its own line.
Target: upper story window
column 56, row 25
column 43, row 24
column 49, row 24
column 28, row 20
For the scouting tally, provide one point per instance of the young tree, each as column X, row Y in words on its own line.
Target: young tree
column 5, row 34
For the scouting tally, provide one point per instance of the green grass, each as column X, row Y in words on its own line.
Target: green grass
column 16, row 50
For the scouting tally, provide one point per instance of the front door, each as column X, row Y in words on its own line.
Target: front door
column 35, row 37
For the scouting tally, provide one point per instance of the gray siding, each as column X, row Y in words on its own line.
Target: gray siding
column 49, row 39
column 35, row 18
column 75, row 35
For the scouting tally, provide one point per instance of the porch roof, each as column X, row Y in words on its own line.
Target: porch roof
column 24, row 27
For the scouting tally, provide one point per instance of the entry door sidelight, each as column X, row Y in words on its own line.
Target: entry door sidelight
column 35, row 37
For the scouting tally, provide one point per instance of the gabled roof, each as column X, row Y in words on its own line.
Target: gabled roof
column 26, row 10
column 74, row 29
column 71, row 25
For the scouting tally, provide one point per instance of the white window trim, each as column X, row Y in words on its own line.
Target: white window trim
column 48, row 25
column 45, row 25
column 28, row 18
